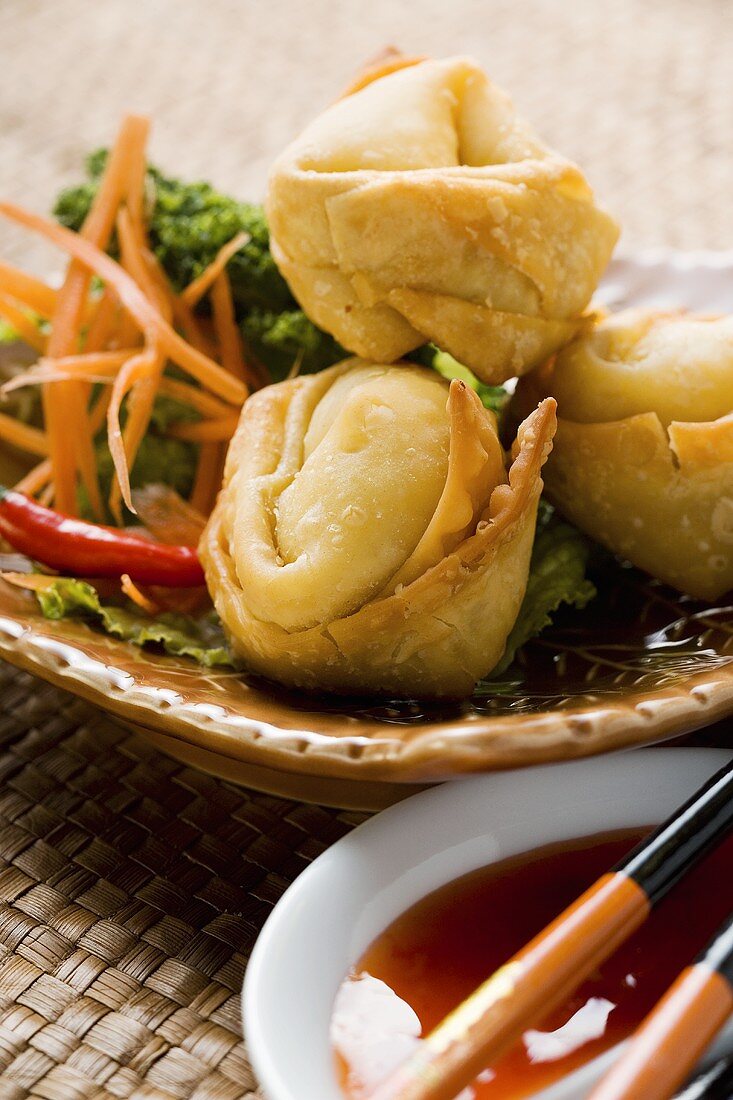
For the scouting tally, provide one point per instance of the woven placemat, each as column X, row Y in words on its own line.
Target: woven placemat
column 132, row 889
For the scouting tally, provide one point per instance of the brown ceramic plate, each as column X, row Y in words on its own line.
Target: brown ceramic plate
column 640, row 664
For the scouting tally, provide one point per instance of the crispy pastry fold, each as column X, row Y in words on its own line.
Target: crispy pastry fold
column 421, row 208
column 369, row 537
column 643, row 457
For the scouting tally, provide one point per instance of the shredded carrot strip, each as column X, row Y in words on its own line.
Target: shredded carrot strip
column 98, row 415
column 35, row 479
column 22, row 324
column 126, row 158
column 67, row 407
column 259, row 375
column 139, row 410
column 40, row 476
column 128, row 331
column 132, row 234
column 157, row 273
column 231, row 352
column 135, row 369
column 96, row 361
column 183, row 315
column 30, row 292
column 133, row 261
column 207, row 482
column 102, row 367
column 23, row 435
column 47, row 495
column 191, row 327
column 145, row 388
column 85, row 367
column 205, row 431
column 135, row 198
column 103, row 323
column 195, row 291
column 146, row 316
column 131, row 590
column 199, row 400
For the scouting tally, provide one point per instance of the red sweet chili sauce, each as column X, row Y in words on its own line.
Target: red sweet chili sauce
column 437, row 952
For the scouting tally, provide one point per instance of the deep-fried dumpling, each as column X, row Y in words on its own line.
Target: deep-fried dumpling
column 643, row 457
column 420, row 208
column 368, row 536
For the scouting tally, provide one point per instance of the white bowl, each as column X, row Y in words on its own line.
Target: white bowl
column 331, row 914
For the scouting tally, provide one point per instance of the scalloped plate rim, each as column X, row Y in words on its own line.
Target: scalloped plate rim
column 689, row 710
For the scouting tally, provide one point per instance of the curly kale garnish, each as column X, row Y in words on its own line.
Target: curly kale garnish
column 188, row 224
column 286, row 340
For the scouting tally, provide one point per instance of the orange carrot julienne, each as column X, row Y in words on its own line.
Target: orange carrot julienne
column 125, row 158
column 131, row 590
column 205, row 431
column 207, row 482
column 195, row 291
column 98, row 415
column 135, row 197
column 23, row 435
column 29, row 333
column 67, row 406
column 146, row 316
column 191, row 327
column 80, row 364
column 102, row 367
column 96, row 367
column 199, row 400
column 28, row 291
column 183, row 315
column 139, row 409
column 127, row 331
column 84, row 453
column 140, row 366
column 231, row 353
column 133, row 261
column 145, row 388
column 103, row 322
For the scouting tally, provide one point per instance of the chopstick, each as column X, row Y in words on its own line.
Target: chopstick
column 542, row 974
column 676, row 1032
column 713, row 1083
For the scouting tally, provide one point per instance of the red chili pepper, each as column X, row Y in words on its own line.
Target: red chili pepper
column 82, row 549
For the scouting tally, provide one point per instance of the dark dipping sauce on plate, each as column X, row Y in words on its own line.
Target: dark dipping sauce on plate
column 437, row 952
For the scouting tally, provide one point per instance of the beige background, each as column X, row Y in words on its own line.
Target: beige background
column 640, row 92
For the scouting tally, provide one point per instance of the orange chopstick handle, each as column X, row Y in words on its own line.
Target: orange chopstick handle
column 672, row 1038
column 521, row 993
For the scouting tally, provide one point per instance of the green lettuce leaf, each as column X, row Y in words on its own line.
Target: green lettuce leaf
column 556, row 576
column 178, row 635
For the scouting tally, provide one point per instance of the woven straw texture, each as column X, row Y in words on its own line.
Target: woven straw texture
column 131, row 892
column 132, row 888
